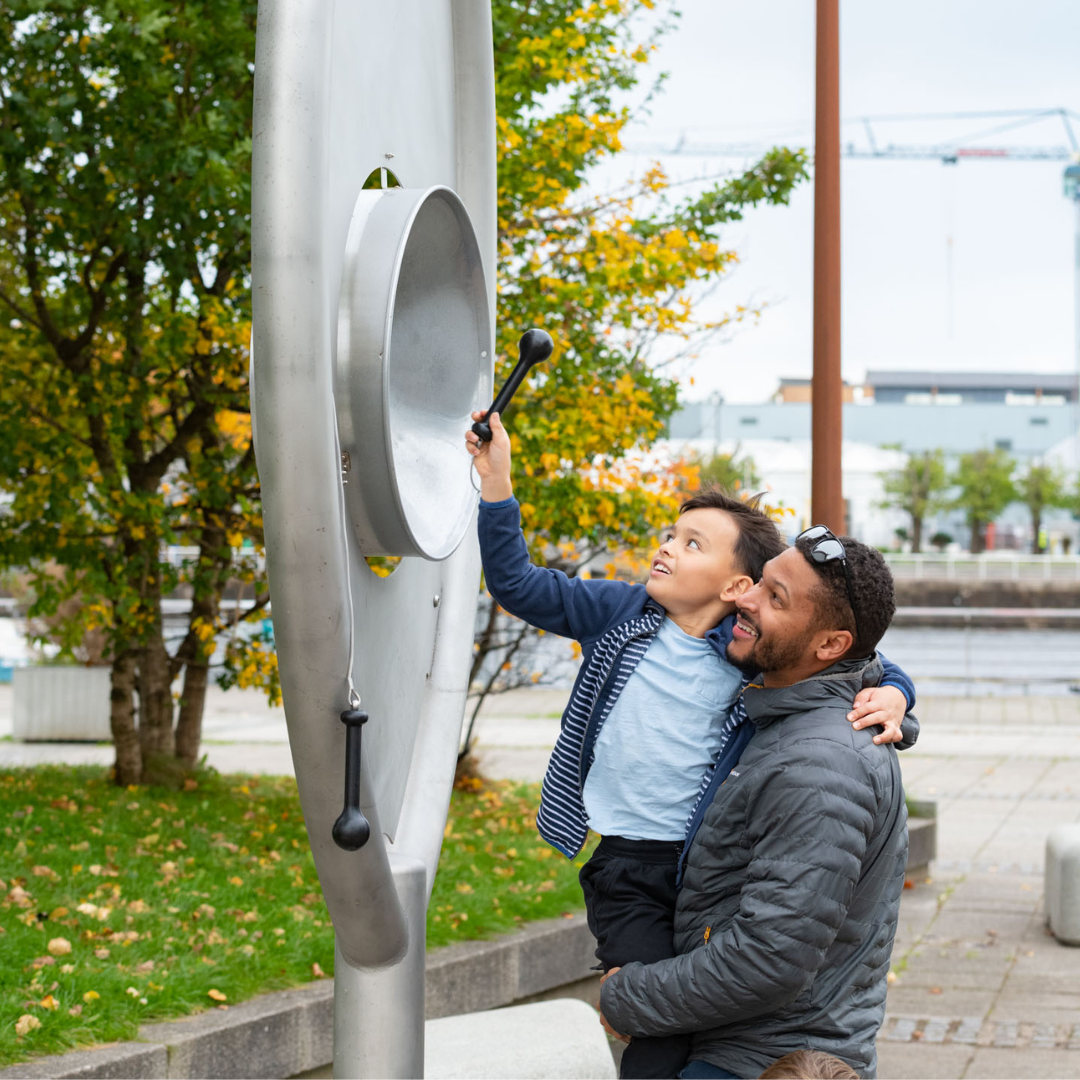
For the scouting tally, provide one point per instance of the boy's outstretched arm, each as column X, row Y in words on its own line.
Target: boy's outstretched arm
column 548, row 599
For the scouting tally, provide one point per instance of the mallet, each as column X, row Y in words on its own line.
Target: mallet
column 534, row 347
column 351, row 830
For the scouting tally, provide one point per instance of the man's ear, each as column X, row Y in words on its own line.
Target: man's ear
column 736, row 587
column 833, row 645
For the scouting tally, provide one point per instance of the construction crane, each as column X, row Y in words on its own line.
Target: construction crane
column 970, row 147
column 949, row 152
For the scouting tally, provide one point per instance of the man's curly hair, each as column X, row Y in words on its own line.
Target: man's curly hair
column 871, row 586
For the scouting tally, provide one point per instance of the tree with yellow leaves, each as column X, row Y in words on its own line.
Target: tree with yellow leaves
column 125, row 148
column 611, row 276
column 125, row 156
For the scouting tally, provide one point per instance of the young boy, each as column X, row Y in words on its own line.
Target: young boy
column 655, row 721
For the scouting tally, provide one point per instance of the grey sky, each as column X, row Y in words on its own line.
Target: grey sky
column 745, row 72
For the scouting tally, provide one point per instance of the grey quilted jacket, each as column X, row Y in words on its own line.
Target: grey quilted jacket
column 786, row 918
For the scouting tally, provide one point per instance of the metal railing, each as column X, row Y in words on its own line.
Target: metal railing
column 990, row 566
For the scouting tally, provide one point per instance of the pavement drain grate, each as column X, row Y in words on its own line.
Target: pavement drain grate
column 964, row 866
column 972, row 1031
column 998, row 796
column 1045, row 1037
column 1005, row 1034
column 935, row 1030
column 902, row 1031
column 968, row 1031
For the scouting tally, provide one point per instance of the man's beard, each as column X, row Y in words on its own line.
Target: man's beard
column 769, row 654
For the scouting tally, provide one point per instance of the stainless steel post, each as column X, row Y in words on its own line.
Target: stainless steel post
column 379, row 1012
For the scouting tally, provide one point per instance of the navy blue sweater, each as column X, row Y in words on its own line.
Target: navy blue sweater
column 615, row 622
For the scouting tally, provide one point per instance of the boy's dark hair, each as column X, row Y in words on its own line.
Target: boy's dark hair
column 809, row 1065
column 759, row 538
column 871, row 587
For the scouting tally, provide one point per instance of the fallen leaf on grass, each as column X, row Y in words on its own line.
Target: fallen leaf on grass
column 75, row 1010
column 90, row 995
column 102, row 954
column 217, row 995
column 25, row 1024
column 48, row 1002
column 236, row 881
column 59, row 946
column 317, row 971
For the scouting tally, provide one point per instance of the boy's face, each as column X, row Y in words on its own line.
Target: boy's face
column 695, row 565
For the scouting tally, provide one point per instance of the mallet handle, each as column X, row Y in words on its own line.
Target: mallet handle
column 534, row 347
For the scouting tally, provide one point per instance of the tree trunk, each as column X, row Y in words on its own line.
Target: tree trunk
column 128, row 765
column 1036, row 524
column 192, row 704
column 196, row 680
column 155, row 701
column 976, row 537
column 916, row 534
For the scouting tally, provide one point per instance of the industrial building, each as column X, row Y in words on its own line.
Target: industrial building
column 892, row 414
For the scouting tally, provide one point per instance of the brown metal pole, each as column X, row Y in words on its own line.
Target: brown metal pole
column 826, row 485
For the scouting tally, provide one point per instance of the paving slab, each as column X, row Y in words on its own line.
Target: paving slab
column 989, row 1063
column 1003, row 771
column 901, row 1061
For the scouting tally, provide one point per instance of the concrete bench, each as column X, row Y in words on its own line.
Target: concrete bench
column 560, row 1038
column 1063, row 883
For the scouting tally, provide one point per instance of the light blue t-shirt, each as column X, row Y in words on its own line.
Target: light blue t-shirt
column 662, row 734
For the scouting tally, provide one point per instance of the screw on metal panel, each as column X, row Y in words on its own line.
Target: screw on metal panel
column 345, row 463
column 388, row 156
column 435, row 600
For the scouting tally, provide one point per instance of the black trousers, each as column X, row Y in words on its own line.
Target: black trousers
column 630, row 893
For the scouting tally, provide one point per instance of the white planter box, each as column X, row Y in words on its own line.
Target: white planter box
column 63, row 704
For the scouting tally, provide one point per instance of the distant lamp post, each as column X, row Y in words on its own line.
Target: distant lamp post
column 1071, row 185
column 826, row 410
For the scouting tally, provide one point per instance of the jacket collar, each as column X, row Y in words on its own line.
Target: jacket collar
column 836, row 685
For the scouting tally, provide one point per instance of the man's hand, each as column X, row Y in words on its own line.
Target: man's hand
column 603, row 1019
column 491, row 459
column 880, row 705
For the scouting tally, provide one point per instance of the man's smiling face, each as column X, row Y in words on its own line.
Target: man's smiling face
column 774, row 627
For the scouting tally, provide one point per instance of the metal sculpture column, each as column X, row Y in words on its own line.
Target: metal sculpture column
column 373, row 206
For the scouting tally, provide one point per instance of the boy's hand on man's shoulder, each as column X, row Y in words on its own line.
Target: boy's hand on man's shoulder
column 880, row 706
column 491, row 459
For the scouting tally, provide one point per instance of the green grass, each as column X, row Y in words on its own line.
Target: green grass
column 123, row 906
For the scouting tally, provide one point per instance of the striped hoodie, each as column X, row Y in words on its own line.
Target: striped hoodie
column 614, row 622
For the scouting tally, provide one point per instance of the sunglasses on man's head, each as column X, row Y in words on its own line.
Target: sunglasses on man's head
column 828, row 549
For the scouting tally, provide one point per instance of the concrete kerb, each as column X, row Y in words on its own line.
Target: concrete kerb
column 283, row 1034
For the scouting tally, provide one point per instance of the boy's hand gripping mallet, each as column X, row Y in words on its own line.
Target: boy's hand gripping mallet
column 534, row 347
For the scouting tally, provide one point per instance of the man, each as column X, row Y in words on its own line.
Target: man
column 791, row 890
